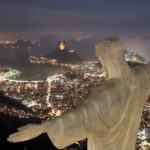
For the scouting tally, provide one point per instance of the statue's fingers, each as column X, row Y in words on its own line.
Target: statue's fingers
column 19, row 136
column 18, row 139
column 24, row 127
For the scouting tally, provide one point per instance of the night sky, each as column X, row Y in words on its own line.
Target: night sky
column 34, row 19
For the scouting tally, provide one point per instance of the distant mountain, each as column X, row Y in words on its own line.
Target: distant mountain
column 63, row 55
column 15, row 52
column 23, row 44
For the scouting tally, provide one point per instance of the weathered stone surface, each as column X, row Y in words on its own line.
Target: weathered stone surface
column 110, row 116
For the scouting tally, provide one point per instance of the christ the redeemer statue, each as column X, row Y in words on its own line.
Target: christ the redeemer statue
column 110, row 116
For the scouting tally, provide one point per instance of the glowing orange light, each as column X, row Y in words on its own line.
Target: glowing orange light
column 62, row 45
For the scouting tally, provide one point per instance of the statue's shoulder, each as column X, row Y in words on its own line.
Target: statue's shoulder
column 110, row 100
column 142, row 73
column 147, row 68
column 112, row 88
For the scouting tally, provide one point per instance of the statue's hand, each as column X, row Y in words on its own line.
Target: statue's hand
column 26, row 132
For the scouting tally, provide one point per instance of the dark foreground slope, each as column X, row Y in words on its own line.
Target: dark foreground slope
column 9, row 124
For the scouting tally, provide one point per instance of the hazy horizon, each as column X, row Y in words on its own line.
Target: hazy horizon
column 68, row 19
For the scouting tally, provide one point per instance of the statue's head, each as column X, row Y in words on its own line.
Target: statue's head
column 110, row 47
column 110, row 53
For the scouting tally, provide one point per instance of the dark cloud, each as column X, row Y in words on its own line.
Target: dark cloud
column 38, row 18
column 24, row 19
column 30, row 19
column 146, row 38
